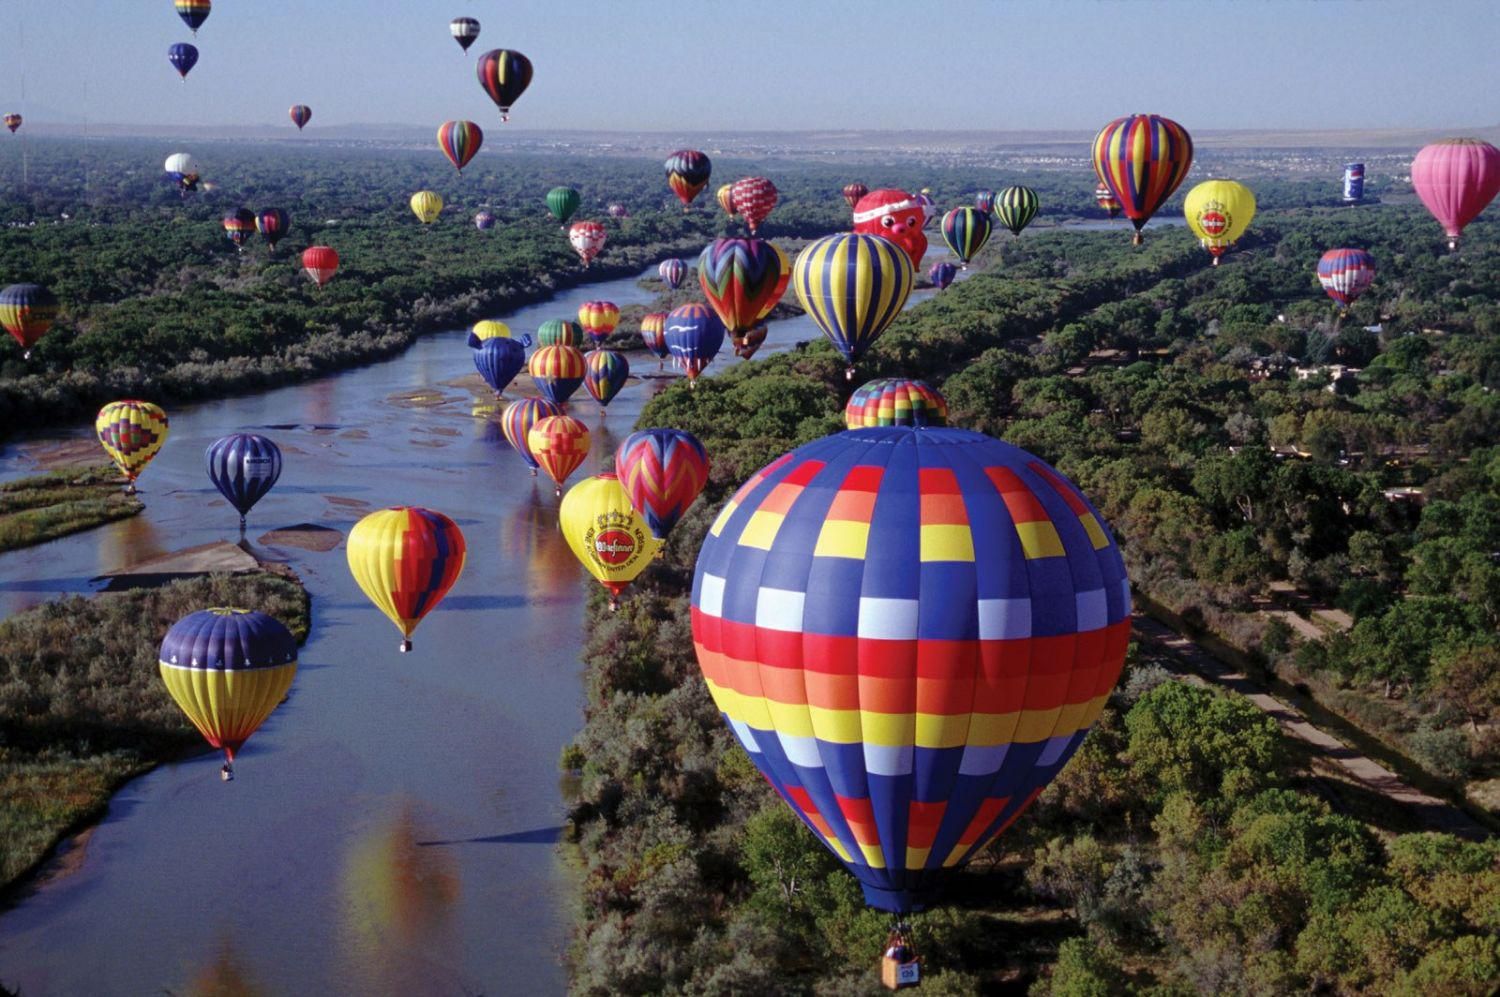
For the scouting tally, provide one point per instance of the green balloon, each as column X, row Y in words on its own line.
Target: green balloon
column 562, row 202
column 559, row 332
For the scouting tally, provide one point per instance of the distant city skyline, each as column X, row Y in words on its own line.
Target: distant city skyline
column 737, row 65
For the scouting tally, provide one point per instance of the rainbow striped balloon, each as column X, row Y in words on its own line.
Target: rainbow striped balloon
column 460, row 142
column 405, row 559
column 598, row 319
column 1142, row 159
column 559, row 332
column 605, row 373
column 654, row 333
column 853, row 286
column 516, row 422
column 557, row 372
column 909, row 631
column 895, row 401
column 663, row 471
column 27, row 311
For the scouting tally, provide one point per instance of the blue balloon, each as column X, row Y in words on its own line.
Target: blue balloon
column 243, row 467
column 694, row 335
column 499, row 360
column 183, row 58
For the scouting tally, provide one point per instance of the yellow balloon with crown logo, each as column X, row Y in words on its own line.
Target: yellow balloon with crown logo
column 1218, row 212
column 606, row 534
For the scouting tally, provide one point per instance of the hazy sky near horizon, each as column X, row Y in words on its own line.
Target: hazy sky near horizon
column 731, row 65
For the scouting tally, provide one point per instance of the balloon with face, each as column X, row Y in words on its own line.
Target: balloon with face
column 894, row 215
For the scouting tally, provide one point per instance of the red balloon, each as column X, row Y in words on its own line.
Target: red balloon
column 1456, row 178
column 753, row 198
column 320, row 262
column 894, row 215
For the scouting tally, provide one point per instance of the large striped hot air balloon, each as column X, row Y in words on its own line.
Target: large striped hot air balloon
column 27, row 311
column 193, row 12
column 1016, row 207
column 853, row 286
column 427, row 205
column 743, row 279
column 895, row 401
column 131, row 432
column 1346, row 274
column 228, row 669
column 498, row 361
column 405, row 560
column 725, row 196
column 563, row 202
column 272, row 224
column 504, row 75
column 694, row 336
column 1218, row 212
column 557, row 372
column 1142, row 159
column 604, row 374
column 560, row 332
column 662, row 471
column 460, row 142
column 909, row 631
column 966, row 230
column 1456, row 178
column 587, row 240
column 688, row 171
column 516, row 422
column 560, row 443
column 609, row 538
column 300, row 114
column 753, row 198
column 654, row 334
column 599, row 319
column 243, row 467
column 320, row 263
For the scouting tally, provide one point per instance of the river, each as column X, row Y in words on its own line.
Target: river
column 392, row 828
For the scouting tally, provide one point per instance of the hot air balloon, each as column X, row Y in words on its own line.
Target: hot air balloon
column 1346, row 274
column 559, row 443
column 13, row 121
column 183, row 170
column 985, row 201
column 743, row 279
column 484, row 221
column 853, row 192
column 587, row 239
column 1218, row 212
column 617, row 210
column 557, row 372
column 504, row 75
column 688, row 171
column 465, row 31
column 694, row 335
column 910, row 631
column 272, row 224
column 966, row 230
column 1354, row 182
column 604, row 374
column 1456, row 178
column 929, row 206
column 725, row 196
column 487, row 329
column 607, row 536
column 131, row 432
column 183, row 58
column 1016, row 207
column 559, row 332
column 27, row 311
column 516, row 422
column 1107, row 200
column 460, row 142
column 671, row 272
column 426, row 205
column 753, row 198
column 228, row 669
column 598, row 319
column 300, row 114
column 193, row 12
column 563, row 202
column 498, row 361
column 1142, row 159
column 895, row 401
column 319, row 263
column 662, row 472
column 243, row 467
column 894, row 215
column 239, row 226
column 853, row 286
column 654, row 334
column 942, row 274
column 405, row 560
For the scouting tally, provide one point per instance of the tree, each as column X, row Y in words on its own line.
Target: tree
column 1467, row 679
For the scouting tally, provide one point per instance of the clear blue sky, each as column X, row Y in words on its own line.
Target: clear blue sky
column 755, row 64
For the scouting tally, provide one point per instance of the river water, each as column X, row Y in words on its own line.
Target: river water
column 392, row 828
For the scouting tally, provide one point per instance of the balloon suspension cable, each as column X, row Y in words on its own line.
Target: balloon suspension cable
column 130, row 487
column 405, row 645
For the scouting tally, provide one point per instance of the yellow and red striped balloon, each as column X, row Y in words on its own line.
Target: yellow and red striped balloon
column 405, row 560
column 559, row 443
column 1142, row 159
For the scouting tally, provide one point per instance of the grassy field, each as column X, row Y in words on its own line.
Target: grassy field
column 83, row 710
column 41, row 508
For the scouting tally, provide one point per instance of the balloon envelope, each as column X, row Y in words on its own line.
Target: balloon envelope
column 405, row 560
column 966, row 230
column 504, row 75
column 607, row 535
column 1142, row 159
column 243, row 467
column 694, row 336
column 587, row 239
column 1218, row 212
column 560, row 444
column 853, row 286
column 1456, row 178
column 1016, row 207
column 909, row 631
column 460, row 142
column 563, row 202
column 300, row 114
column 183, row 58
column 426, row 205
column 605, row 373
column 27, row 311
column 131, row 432
column 498, row 361
column 320, row 263
column 1346, row 274
column 662, row 472
column 895, row 401
column 557, row 372
column 688, row 171
column 516, row 422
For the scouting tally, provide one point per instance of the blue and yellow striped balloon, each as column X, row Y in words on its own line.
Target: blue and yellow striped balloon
column 1016, row 207
column 966, row 230
column 853, row 286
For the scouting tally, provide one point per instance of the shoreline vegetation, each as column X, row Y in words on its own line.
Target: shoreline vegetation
column 46, row 506
column 83, row 710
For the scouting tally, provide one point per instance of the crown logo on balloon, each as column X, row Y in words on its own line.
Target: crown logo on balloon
column 614, row 518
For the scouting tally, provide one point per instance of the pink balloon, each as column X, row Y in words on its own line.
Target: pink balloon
column 1456, row 178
